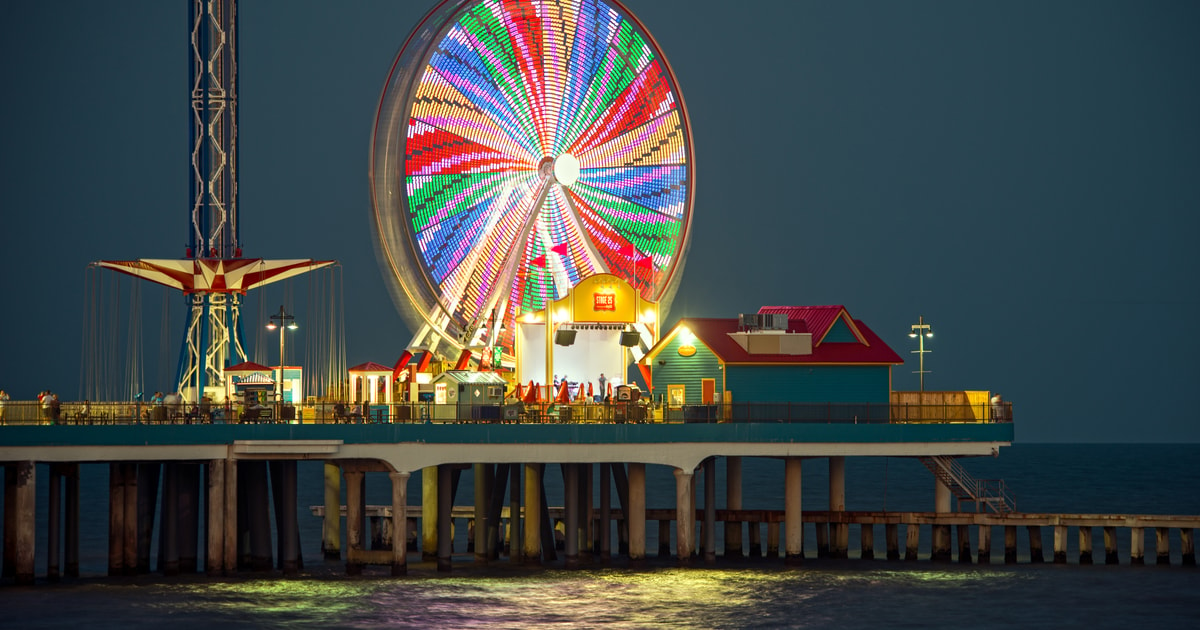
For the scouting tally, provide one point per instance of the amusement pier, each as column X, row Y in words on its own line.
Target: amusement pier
column 532, row 182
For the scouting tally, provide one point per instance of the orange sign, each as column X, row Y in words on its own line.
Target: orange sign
column 687, row 350
column 604, row 302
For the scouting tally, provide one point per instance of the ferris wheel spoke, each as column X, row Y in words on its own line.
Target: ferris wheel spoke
column 472, row 112
column 624, row 56
column 659, row 141
column 647, row 97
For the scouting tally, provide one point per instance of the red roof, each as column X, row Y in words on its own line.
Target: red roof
column 819, row 319
column 370, row 366
column 248, row 366
column 714, row 334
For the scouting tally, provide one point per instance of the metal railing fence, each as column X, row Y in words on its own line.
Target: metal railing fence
column 91, row 413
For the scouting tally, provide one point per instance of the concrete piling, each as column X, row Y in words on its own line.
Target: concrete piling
column 773, row 539
column 867, row 540
column 1187, row 546
column 355, row 515
column 25, row 491
column 912, row 541
column 839, row 531
column 710, row 511
column 964, row 544
column 1162, row 546
column 685, row 515
column 733, row 501
column 605, row 512
column 1010, row 544
column 331, row 529
column 1085, row 545
column 1035, row 544
column 793, row 514
column 53, row 526
column 116, row 519
column 531, row 553
column 635, row 519
column 214, row 527
column 399, row 523
column 571, row 512
column 1137, row 546
column 755, row 539
column 1110, row 546
column 1060, row 544
column 985, row 545
column 445, row 503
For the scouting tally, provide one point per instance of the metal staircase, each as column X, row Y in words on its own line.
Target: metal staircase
column 990, row 493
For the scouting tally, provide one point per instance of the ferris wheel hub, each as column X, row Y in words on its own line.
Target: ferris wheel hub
column 566, row 169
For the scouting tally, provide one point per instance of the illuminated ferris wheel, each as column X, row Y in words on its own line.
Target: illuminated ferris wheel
column 520, row 147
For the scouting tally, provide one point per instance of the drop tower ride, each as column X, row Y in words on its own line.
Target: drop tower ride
column 213, row 275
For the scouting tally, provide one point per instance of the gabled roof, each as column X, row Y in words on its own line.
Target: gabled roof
column 370, row 366
column 714, row 334
column 248, row 366
column 819, row 319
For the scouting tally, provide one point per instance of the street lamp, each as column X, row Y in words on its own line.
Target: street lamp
column 921, row 330
column 281, row 320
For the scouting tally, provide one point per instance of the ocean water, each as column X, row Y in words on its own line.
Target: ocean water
column 1135, row 479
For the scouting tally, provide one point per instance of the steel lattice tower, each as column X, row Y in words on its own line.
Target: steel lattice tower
column 213, row 276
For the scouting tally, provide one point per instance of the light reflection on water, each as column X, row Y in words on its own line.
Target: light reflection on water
column 872, row 595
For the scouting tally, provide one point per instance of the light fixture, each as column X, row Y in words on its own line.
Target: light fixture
column 920, row 331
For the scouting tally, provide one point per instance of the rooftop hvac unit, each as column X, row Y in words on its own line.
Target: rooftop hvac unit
column 749, row 320
column 774, row 321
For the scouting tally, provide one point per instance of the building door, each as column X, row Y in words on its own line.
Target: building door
column 676, row 395
column 708, row 391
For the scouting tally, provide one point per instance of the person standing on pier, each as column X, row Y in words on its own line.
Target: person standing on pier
column 602, row 382
column 3, row 403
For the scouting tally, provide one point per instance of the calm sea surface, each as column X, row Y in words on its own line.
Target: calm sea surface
column 1141, row 479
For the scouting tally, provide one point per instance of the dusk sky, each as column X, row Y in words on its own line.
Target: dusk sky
column 1024, row 174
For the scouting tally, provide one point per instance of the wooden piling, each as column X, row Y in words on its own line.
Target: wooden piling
column 940, row 544
column 773, row 539
column 635, row 518
column 1137, row 545
column 1187, row 546
column 754, row 530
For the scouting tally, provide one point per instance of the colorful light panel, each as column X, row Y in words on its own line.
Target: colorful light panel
column 504, row 87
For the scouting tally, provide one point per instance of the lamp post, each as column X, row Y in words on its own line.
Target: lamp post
column 921, row 330
column 281, row 320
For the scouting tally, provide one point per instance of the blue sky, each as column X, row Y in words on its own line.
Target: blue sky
column 1026, row 175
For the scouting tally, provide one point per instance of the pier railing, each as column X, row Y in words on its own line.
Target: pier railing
column 329, row 412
